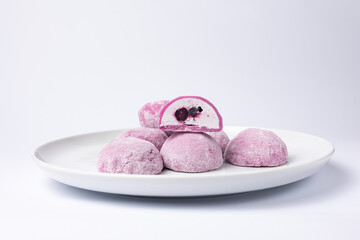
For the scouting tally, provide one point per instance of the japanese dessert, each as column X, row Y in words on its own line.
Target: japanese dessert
column 190, row 113
column 191, row 152
column 255, row 148
column 149, row 114
column 221, row 138
column 131, row 156
column 185, row 135
column 153, row 135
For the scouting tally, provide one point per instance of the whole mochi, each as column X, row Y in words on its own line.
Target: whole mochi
column 221, row 138
column 255, row 148
column 153, row 135
column 130, row 156
column 191, row 152
column 149, row 113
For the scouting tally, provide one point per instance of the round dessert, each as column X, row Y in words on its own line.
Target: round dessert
column 149, row 114
column 153, row 135
column 191, row 152
column 221, row 138
column 131, row 156
column 255, row 148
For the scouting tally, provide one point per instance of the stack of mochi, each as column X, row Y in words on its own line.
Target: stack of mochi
column 185, row 135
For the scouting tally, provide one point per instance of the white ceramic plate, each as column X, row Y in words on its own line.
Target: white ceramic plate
column 73, row 160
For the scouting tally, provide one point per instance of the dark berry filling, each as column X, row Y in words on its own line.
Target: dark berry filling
column 194, row 111
column 181, row 114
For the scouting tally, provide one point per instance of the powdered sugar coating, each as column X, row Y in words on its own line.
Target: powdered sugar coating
column 149, row 113
column 221, row 138
column 191, row 152
column 153, row 135
column 131, row 156
column 256, row 147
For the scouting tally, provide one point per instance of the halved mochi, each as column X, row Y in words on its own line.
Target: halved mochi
column 190, row 113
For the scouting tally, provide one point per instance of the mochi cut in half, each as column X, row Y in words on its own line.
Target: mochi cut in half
column 190, row 113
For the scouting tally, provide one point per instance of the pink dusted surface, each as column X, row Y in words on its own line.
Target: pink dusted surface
column 183, row 127
column 256, row 147
column 153, row 135
column 221, row 138
column 149, row 113
column 131, row 156
column 191, row 152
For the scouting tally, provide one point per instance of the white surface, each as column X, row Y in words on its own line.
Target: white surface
column 71, row 67
column 73, row 161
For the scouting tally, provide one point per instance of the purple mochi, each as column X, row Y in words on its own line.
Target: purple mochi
column 153, row 135
column 255, row 148
column 149, row 113
column 191, row 152
column 131, row 156
column 221, row 138
column 190, row 114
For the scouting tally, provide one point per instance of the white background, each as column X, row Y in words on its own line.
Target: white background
column 70, row 67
